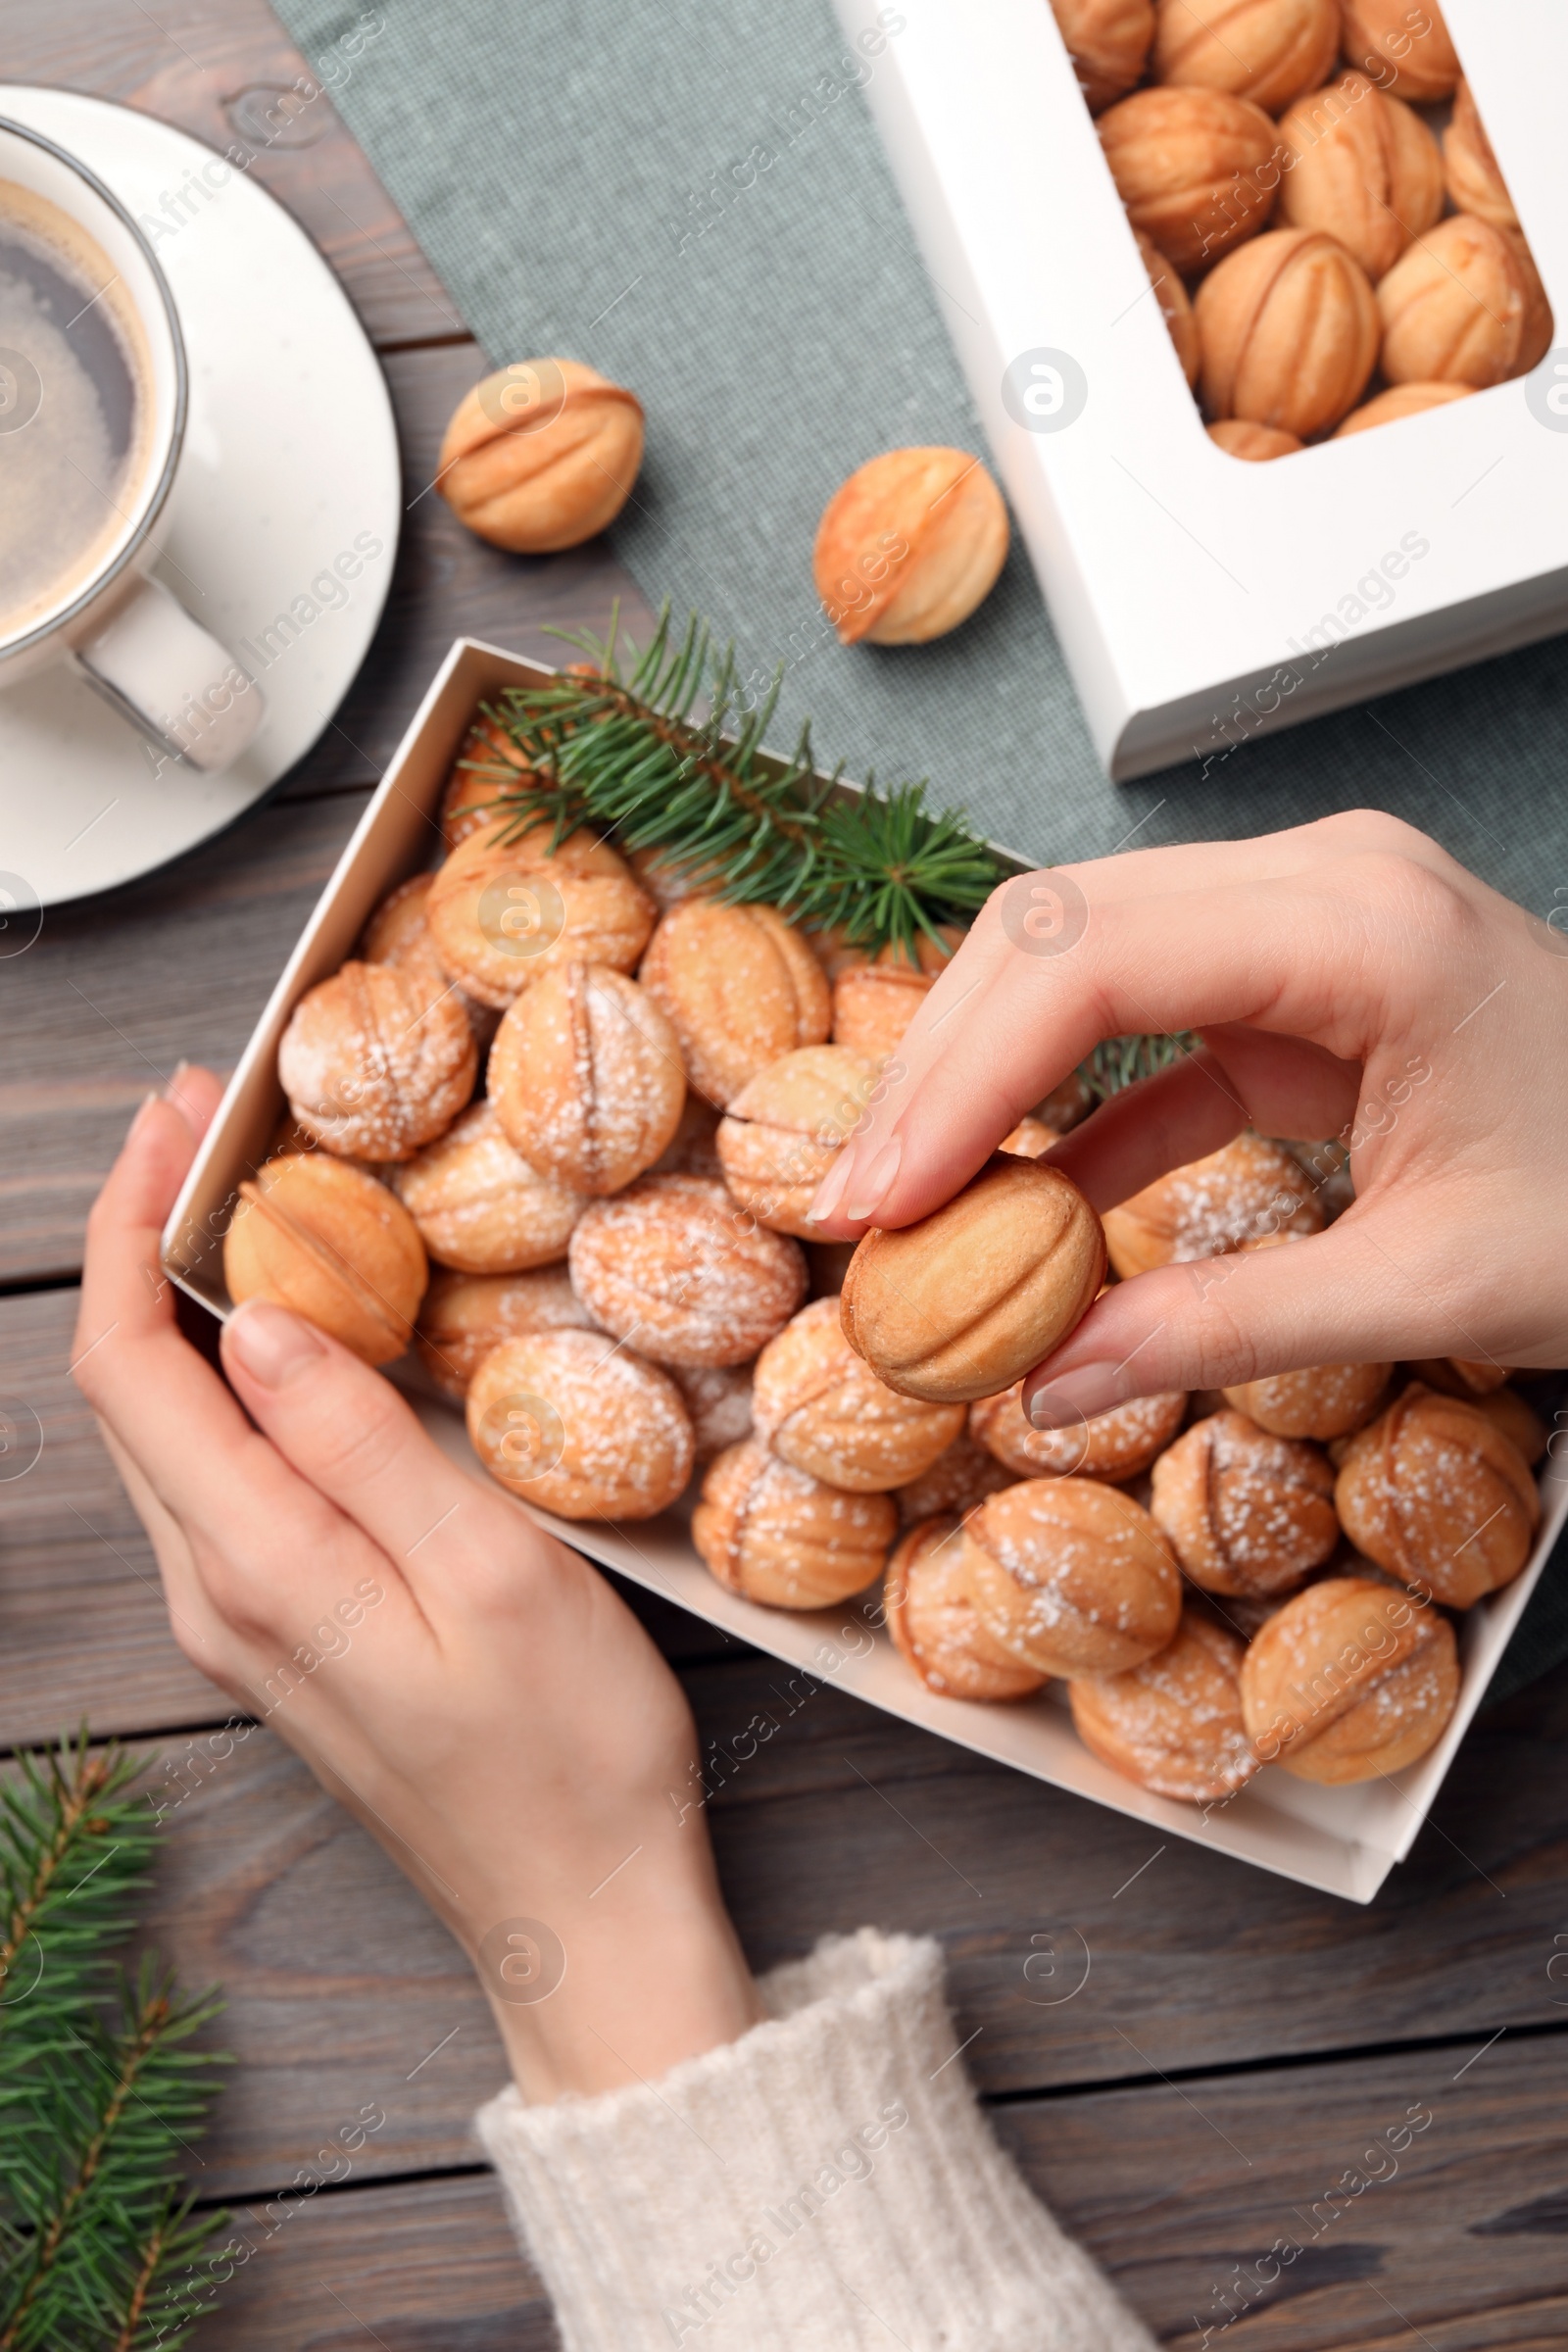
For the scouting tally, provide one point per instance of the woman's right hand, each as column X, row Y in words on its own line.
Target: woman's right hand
column 1346, row 978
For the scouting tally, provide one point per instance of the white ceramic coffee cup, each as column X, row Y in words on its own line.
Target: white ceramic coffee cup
column 123, row 629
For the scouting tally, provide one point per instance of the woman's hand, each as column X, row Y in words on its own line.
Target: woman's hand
column 1348, row 980
column 473, row 1692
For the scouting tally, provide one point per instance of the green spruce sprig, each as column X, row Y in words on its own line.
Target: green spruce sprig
column 100, row 2095
column 665, row 758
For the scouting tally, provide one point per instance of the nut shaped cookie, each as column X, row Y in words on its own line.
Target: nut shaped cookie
column 1267, row 50
column 933, row 1624
column 1248, row 1189
column 1470, row 168
column 464, row 1316
column 1463, row 305
column 908, row 546
column 1437, row 1494
column 718, row 1399
column 573, row 1422
column 1403, row 48
column 1363, row 168
column 876, row 997
column 1114, row 1447
column 1071, row 1577
column 778, row 1535
column 1290, row 329
column 1247, row 1513
column 1173, row 1724
column 1197, row 170
column 325, row 1240
column 541, row 454
column 1400, row 401
column 739, row 986
column 968, row 1299
column 586, row 1078
column 503, row 912
column 378, row 1061
column 779, row 1138
column 1328, row 1401
column 960, row 1476
column 671, row 1265
column 1348, row 1681
column 819, row 1405
column 1109, row 42
column 480, row 1206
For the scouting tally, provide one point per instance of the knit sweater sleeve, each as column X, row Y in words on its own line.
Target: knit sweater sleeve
column 823, row 2184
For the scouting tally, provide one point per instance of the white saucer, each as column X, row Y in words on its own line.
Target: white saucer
column 290, row 456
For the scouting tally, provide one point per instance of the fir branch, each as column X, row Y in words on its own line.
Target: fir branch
column 1122, row 1060
column 629, row 756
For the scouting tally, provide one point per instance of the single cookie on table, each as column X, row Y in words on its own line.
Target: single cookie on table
column 778, row 1535
column 488, row 765
column 779, row 1136
column 739, row 986
column 932, row 1621
column 503, row 912
column 718, row 1399
column 820, row 1407
column 1348, row 1681
column 875, row 998
column 1071, row 1577
column 1114, row 1447
column 464, row 1316
column 673, row 1265
column 958, row 1479
column 966, row 1301
column 479, row 1206
column 327, row 1241
column 1250, row 1188
column 1461, row 1376
column 586, row 1078
column 575, row 1422
column 1437, row 1494
column 1174, row 1722
column 1328, row 1401
column 378, row 1061
column 1246, row 1512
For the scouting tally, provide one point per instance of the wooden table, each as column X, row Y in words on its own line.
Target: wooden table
column 1239, row 2045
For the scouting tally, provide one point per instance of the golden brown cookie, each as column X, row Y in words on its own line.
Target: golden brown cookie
column 958, row 1479
column 503, row 912
column 966, row 1301
column 739, row 986
column 1328, row 1401
column 780, row 1536
column 1114, row 1447
column 876, row 996
column 575, row 1422
column 718, row 1399
column 819, row 1405
column 780, row 1135
column 466, row 1316
column 324, row 1239
column 1246, row 1512
column 673, row 1266
column 1173, row 1724
column 1434, row 1491
column 1247, row 1189
column 932, row 1621
column 1348, row 1681
column 479, row 1206
column 586, row 1078
column 1071, row 1577
column 378, row 1061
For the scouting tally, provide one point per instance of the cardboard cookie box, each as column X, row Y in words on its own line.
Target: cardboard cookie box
column 1341, row 1840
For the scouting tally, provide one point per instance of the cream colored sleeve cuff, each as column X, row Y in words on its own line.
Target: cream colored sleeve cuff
column 823, row 2184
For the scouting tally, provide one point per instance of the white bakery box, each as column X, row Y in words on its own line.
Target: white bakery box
column 1195, row 596
column 1345, row 1841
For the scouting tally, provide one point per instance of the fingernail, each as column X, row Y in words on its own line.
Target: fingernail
column 270, row 1344
column 830, row 1191
column 872, row 1187
column 173, row 1088
column 1078, row 1396
column 140, row 1119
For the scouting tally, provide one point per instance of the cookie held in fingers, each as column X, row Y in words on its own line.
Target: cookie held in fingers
column 1173, row 1724
column 466, row 1316
column 1437, row 1494
column 671, row 1265
column 378, row 1059
column 966, row 1301
column 820, row 1407
column 575, row 1422
column 586, row 1078
column 1071, row 1577
column 1247, row 1513
column 1114, row 1447
column 1350, row 1681
column 328, row 1242
column 933, row 1624
column 778, row 1535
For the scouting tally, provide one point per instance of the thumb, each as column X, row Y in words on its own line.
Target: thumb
column 1339, row 1297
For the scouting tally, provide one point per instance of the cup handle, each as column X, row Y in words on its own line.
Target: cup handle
column 172, row 680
